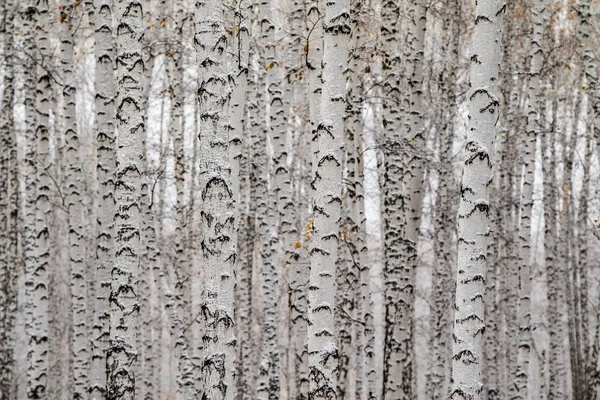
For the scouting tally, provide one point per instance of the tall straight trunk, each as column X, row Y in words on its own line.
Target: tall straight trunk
column 238, row 152
column 106, row 91
column 175, row 73
column 397, row 382
column 124, row 297
column 593, row 116
column 414, row 188
column 555, row 271
column 219, row 236
column 259, row 193
column 9, row 213
column 592, row 367
column 529, row 141
column 75, row 208
column 445, row 221
column 37, row 280
column 247, row 207
column 365, row 338
column 322, row 348
column 576, row 287
column 473, row 215
column 294, row 253
column 29, row 17
column 275, row 172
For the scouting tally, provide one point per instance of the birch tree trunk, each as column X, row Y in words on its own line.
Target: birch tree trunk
column 322, row 349
column 533, row 116
column 445, row 217
column 9, row 213
column 37, row 278
column 29, row 19
column 124, row 297
column 106, row 91
column 473, row 216
column 366, row 374
column 273, row 129
column 74, row 207
column 218, row 207
column 238, row 148
column 397, row 382
column 556, row 272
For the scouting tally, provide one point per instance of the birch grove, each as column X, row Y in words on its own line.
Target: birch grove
column 299, row 199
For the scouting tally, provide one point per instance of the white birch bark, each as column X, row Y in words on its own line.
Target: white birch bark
column 314, row 59
column 106, row 88
column 238, row 151
column 9, row 212
column 219, row 237
column 37, row 277
column 365, row 363
column 444, row 214
column 124, row 297
column 592, row 367
column 322, row 349
column 269, row 226
column 399, row 299
column 185, row 372
column 29, row 18
column 577, row 284
column 556, row 272
column 149, row 259
column 533, row 116
column 75, row 207
column 473, row 216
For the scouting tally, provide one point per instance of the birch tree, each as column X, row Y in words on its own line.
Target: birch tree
column 124, row 301
column 106, row 88
column 533, row 117
column 322, row 349
column 37, row 273
column 218, row 242
column 74, row 206
column 473, row 216
column 9, row 211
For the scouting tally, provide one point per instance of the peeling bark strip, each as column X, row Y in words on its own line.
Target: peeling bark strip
column 473, row 215
column 106, row 91
column 124, row 301
column 219, row 236
column 322, row 348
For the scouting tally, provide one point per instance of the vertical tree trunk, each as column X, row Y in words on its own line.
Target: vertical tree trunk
column 322, row 349
column 398, row 284
column 75, row 208
column 365, row 374
column 218, row 243
column 37, row 280
column 556, row 272
column 247, row 205
column 473, row 217
column 29, row 18
column 445, row 217
column 124, row 297
column 576, row 287
column 105, row 169
column 9, row 213
column 414, row 188
column 274, row 174
column 533, row 117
